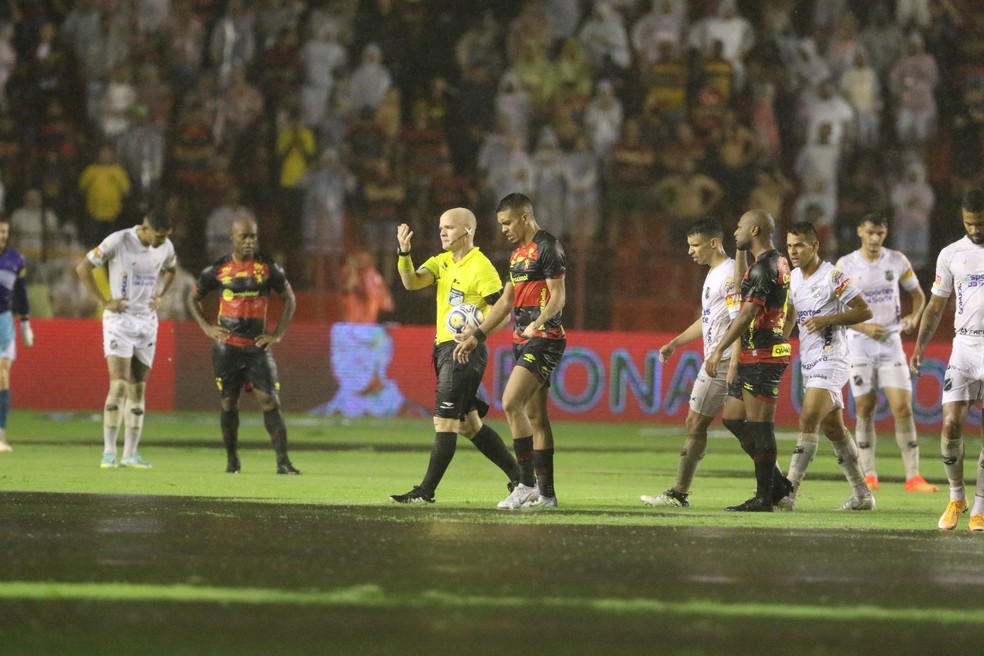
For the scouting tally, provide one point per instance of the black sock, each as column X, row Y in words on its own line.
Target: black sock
column 229, row 423
column 763, row 433
column 523, row 446
column 441, row 454
column 490, row 445
column 543, row 464
column 739, row 428
column 274, row 424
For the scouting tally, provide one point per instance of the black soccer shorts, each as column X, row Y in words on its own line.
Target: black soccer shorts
column 540, row 356
column 760, row 379
column 457, row 384
column 234, row 366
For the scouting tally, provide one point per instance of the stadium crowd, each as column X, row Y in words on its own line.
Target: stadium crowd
column 333, row 121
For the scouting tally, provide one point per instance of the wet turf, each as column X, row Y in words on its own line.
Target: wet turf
column 178, row 575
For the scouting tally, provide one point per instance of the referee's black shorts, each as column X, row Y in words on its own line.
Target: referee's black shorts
column 234, row 366
column 457, row 384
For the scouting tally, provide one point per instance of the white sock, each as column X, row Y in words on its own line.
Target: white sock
column 865, row 432
column 111, row 414
column 847, row 457
column 958, row 494
column 806, row 449
column 906, row 438
column 133, row 417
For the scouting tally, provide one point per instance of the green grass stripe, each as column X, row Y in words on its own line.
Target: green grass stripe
column 374, row 596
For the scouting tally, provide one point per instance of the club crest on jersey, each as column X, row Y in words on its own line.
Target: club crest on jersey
column 889, row 276
column 816, row 293
column 456, row 297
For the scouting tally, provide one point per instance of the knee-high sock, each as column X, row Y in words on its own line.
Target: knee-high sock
column 865, row 431
column 847, row 457
column 111, row 413
column 693, row 451
column 523, row 446
column 277, row 430
column 4, row 408
column 739, row 428
column 229, row 423
column 906, row 438
column 133, row 418
column 764, row 436
column 490, row 444
column 953, row 455
column 806, row 449
column 441, row 455
column 543, row 465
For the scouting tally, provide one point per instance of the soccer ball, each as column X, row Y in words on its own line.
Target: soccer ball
column 463, row 316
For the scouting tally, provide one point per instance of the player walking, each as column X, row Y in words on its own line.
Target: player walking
column 13, row 299
column 705, row 241
column 749, row 412
column 135, row 259
column 535, row 295
column 875, row 347
column 822, row 301
column 240, row 341
column 959, row 272
column 463, row 274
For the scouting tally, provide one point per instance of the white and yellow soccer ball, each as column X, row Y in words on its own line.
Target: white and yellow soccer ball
column 462, row 317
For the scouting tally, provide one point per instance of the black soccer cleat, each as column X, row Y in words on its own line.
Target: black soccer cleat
column 286, row 468
column 781, row 488
column 233, row 466
column 755, row 504
column 416, row 495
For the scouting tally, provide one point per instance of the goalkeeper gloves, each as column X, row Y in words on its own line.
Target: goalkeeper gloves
column 27, row 335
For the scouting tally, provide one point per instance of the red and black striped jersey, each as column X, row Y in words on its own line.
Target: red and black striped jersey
column 530, row 267
column 244, row 294
column 766, row 283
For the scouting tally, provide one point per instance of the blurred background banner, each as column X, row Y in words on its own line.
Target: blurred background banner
column 378, row 370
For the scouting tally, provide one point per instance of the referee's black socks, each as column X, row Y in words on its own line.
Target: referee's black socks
column 490, row 444
column 441, row 455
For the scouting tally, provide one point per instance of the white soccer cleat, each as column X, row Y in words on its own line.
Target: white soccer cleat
column 788, row 502
column 541, row 502
column 859, row 503
column 670, row 498
column 520, row 495
column 5, row 447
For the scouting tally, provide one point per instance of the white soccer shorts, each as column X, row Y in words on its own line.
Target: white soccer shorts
column 830, row 375
column 709, row 394
column 964, row 378
column 877, row 365
column 126, row 336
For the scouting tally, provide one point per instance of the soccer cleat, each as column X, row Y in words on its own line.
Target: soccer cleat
column 788, row 502
column 871, row 480
column 416, row 495
column 136, row 462
column 5, row 446
column 541, row 502
column 233, row 466
column 755, row 504
column 286, row 468
column 976, row 523
column 669, row 498
column 782, row 487
column 948, row 520
column 520, row 495
column 859, row 503
column 918, row 484
column 108, row 460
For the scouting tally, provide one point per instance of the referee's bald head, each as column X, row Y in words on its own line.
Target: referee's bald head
column 464, row 217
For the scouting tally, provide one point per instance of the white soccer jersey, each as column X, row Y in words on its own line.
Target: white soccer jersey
column 133, row 268
column 827, row 291
column 960, row 271
column 718, row 305
column 879, row 283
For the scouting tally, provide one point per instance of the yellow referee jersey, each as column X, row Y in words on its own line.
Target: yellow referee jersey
column 469, row 280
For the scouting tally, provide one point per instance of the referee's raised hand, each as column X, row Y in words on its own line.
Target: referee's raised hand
column 403, row 236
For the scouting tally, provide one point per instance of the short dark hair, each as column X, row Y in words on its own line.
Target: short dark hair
column 706, row 227
column 874, row 218
column 804, row 229
column 973, row 200
column 159, row 220
column 516, row 203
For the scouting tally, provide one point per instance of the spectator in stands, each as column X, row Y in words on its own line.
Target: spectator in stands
column 514, row 106
column 573, row 68
column 233, row 40
column 629, row 198
column 883, row 40
column 818, row 206
column 528, row 28
column 105, row 185
column 365, row 293
column 117, row 101
column 765, row 123
column 512, row 173
column 322, row 57
column 185, row 45
column 825, row 105
column 279, row 71
column 844, row 44
column 686, row 197
column 911, row 14
column 8, row 60
column 81, row 26
column 913, row 201
column 562, row 18
column 33, row 234
column 913, row 81
column 603, row 119
column 734, row 32
column 862, row 89
column 384, row 194
column 808, row 69
column 550, row 185
column 296, row 149
column 478, row 47
column 606, row 42
column 659, row 32
column 327, row 189
column 666, row 80
column 582, row 181
column 370, row 80
column 155, row 94
column 104, row 51
column 537, row 76
column 240, row 107
column 141, row 150
column 819, row 159
column 771, row 191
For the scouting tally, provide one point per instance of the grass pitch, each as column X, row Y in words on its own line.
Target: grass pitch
column 184, row 558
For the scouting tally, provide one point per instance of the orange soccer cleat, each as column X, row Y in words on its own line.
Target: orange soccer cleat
column 919, row 484
column 977, row 523
column 948, row 520
column 872, row 482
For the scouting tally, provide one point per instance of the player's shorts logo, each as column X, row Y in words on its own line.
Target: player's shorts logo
column 858, row 380
column 781, row 350
column 529, row 357
column 947, row 385
column 218, row 383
